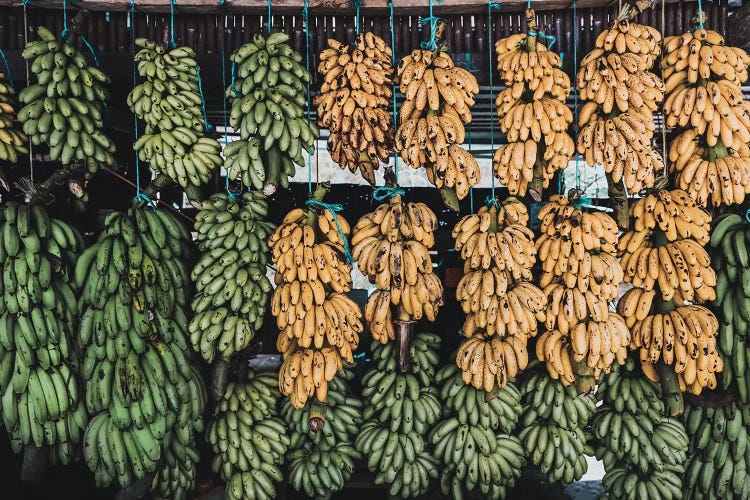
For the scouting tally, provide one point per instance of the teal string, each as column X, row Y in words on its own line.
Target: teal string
column 7, row 68
column 430, row 44
column 306, row 16
column 575, row 91
column 540, row 34
column 393, row 63
column 91, row 49
column 491, row 201
column 333, row 208
column 747, row 215
column 385, row 192
column 491, row 5
column 171, row 23
column 357, row 4
column 138, row 195
column 581, row 202
column 234, row 76
column 230, row 194
column 64, row 32
column 206, row 125
column 467, row 60
column 700, row 16
column 269, row 16
column 528, row 4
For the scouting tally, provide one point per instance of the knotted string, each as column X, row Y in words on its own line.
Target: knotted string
column 700, row 16
column 172, row 43
column 434, row 21
column 747, row 215
column 540, row 34
column 491, row 201
column 491, row 5
column 334, row 208
column 393, row 63
column 306, row 17
column 386, row 192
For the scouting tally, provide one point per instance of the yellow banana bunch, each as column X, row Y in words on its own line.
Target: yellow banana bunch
column 319, row 325
column 580, row 275
column 354, row 103
column 673, row 212
column 486, row 360
column 625, row 37
column 13, row 140
column 391, row 246
column 532, row 112
column 431, row 120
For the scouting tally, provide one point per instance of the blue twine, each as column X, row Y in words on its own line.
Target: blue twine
column 357, row 4
column 7, row 68
column 540, row 34
column 385, row 192
column 747, row 215
column 146, row 199
column 230, row 194
column 64, row 32
column 333, row 208
column 491, row 201
column 434, row 21
column 393, row 63
column 306, row 16
column 575, row 91
column 528, row 4
column 138, row 195
column 206, row 126
column 269, row 16
column 171, row 23
column 91, row 49
column 491, row 5
column 581, row 202
column 467, row 63
column 234, row 76
column 700, row 16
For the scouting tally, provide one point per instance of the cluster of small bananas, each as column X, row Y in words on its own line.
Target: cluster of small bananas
column 230, row 277
column 580, row 276
column 437, row 101
column 617, row 122
column 400, row 408
column 473, row 440
column 664, row 249
column 248, row 438
column 354, row 102
column 731, row 260
column 42, row 404
column 64, row 108
column 719, row 451
column 268, row 109
column 552, row 428
column 319, row 324
column 13, row 140
column 390, row 245
column 322, row 455
column 532, row 112
column 170, row 102
column 140, row 387
column 501, row 306
column 643, row 451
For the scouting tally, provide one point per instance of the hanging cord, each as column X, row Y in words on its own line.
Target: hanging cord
column 306, row 16
column 172, row 43
column 575, row 91
column 357, row 4
column 230, row 194
column 663, row 117
column 385, row 192
column 430, row 44
column 269, row 23
column 334, row 208
column 468, row 134
column 28, row 82
column 491, row 201
column 393, row 63
column 8, row 73
column 492, row 5
column 747, row 215
column 206, row 126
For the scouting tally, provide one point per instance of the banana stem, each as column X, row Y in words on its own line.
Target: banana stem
column 585, row 381
column 317, row 416
column 320, row 192
column 493, row 219
column 219, row 376
column 160, row 182
column 404, row 333
column 717, row 152
column 620, row 204
column 34, row 463
column 537, row 180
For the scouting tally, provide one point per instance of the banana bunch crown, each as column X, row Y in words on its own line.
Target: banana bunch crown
column 13, row 140
column 64, row 108
column 169, row 101
column 232, row 289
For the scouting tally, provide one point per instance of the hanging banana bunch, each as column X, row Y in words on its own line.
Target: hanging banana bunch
column 663, row 258
column 704, row 100
column 553, row 420
column 532, row 112
column 473, row 441
column 643, row 452
column 322, row 455
column 502, row 307
column 42, row 404
column 437, row 101
column 731, row 260
column 391, row 246
column 319, row 325
column 354, row 102
column 248, row 438
column 63, row 110
column 580, row 276
column 169, row 101
column 399, row 410
column 268, row 97
column 230, row 277
column 13, row 140
column 617, row 120
column 140, row 390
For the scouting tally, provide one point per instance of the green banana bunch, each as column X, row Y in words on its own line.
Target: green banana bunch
column 133, row 337
column 64, row 108
column 170, row 102
column 41, row 402
column 13, row 140
column 730, row 258
column 552, row 426
column 268, row 97
column 399, row 410
column 322, row 461
column 719, row 453
column 473, row 440
column 248, row 437
column 230, row 278
column 643, row 451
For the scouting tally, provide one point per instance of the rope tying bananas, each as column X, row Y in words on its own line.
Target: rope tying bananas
column 268, row 109
column 399, row 411
column 248, row 438
column 552, row 429
column 501, row 306
column 391, row 247
column 230, row 277
column 13, row 140
column 322, row 460
column 580, row 276
column 41, row 400
column 711, row 157
column 64, row 108
column 437, row 98
column 354, row 103
column 617, row 122
column 664, row 259
column 532, row 112
column 319, row 324
column 169, row 101
column 473, row 441
column 644, row 452
column 140, row 387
